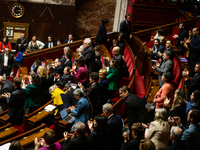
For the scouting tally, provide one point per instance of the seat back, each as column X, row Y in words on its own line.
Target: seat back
column 176, row 73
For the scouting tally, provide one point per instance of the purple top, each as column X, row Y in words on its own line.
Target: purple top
column 56, row 146
column 81, row 75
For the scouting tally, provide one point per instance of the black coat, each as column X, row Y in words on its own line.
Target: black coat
column 179, row 145
column 125, row 28
column 63, row 80
column 78, row 143
column 71, row 97
column 10, row 61
column 23, row 46
column 132, row 144
column 47, row 44
column 58, row 70
column 135, row 110
column 89, row 58
column 101, row 35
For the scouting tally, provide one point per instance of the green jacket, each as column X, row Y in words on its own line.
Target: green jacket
column 33, row 93
column 112, row 77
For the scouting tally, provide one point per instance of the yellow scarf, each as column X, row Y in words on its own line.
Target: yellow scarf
column 57, row 99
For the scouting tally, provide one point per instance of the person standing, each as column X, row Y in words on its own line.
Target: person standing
column 125, row 27
column 22, row 43
column 101, row 35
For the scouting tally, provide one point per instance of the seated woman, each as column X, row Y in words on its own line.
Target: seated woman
column 80, row 74
column 5, row 43
column 146, row 144
column 33, row 95
column 47, row 142
column 98, row 132
column 82, row 111
column 112, row 76
column 158, row 130
column 166, row 90
column 35, row 45
column 15, row 145
column 178, row 106
column 59, row 99
column 137, row 134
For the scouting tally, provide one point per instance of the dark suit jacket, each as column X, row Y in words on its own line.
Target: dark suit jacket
column 22, row 47
column 183, row 33
column 98, row 65
column 58, row 70
column 47, row 44
column 66, row 41
column 160, row 49
column 71, row 97
column 78, row 143
column 179, row 145
column 121, row 45
column 132, row 144
column 101, row 35
column 63, row 59
column 125, row 29
column 16, row 103
column 67, row 64
column 89, row 58
column 7, row 87
column 192, row 85
column 135, row 110
column 93, row 93
column 114, row 132
column 195, row 48
column 63, row 80
column 172, row 52
column 10, row 61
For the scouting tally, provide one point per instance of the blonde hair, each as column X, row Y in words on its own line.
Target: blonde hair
column 147, row 144
column 179, row 98
column 42, row 72
column 103, row 71
column 161, row 116
column 51, row 88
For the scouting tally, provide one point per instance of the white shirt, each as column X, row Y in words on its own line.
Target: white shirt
column 5, row 60
column 50, row 44
column 69, row 41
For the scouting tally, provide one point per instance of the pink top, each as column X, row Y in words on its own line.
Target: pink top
column 56, row 146
column 81, row 75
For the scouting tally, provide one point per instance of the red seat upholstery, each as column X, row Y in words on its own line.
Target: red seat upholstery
column 180, row 84
column 176, row 73
column 198, row 24
column 175, row 31
column 150, row 43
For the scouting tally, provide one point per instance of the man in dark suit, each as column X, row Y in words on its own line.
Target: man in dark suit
column 93, row 91
column 69, row 92
column 80, row 142
column 192, row 134
column 6, row 86
column 65, row 50
column 193, row 84
column 175, row 136
column 58, row 67
column 183, row 34
column 70, row 39
column 114, row 128
column 50, row 42
column 6, row 62
column 68, row 62
column 88, row 55
column 157, row 49
column 22, row 43
column 135, row 109
column 15, row 101
column 168, row 46
column 125, row 27
column 62, row 80
column 166, row 66
column 194, row 46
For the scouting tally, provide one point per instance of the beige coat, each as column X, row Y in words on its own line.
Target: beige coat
column 158, row 134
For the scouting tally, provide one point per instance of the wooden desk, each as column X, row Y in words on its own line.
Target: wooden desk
column 8, row 133
column 4, row 118
column 104, row 51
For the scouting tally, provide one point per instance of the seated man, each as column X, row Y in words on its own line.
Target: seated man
column 157, row 49
column 93, row 91
column 65, row 50
column 15, row 101
column 68, row 62
column 50, row 42
column 193, row 84
column 62, row 80
column 70, row 39
column 35, row 66
column 165, row 66
column 6, row 86
column 69, row 92
column 192, row 134
column 58, row 68
column 6, row 62
column 81, row 142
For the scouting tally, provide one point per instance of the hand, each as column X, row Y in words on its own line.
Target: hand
column 68, row 109
column 90, row 124
column 144, row 125
column 159, row 53
column 126, row 137
column 185, row 73
column 166, row 102
column 65, row 134
column 177, row 120
column 74, row 67
column 80, row 85
column 37, row 143
column 175, row 36
column 32, row 72
column 151, row 49
column 131, row 36
column 72, row 136
column 153, row 67
column 171, row 121
column 4, row 95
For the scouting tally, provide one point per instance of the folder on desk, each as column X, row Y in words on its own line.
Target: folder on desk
column 49, row 108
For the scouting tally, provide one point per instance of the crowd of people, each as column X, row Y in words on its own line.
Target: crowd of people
column 174, row 126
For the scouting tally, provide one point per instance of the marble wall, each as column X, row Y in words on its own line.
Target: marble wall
column 89, row 14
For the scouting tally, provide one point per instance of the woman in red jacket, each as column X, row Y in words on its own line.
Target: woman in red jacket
column 5, row 44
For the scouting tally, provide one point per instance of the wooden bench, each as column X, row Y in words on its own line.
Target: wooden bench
column 7, row 131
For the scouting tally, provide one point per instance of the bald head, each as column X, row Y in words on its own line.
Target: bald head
column 116, row 50
column 1, row 80
column 176, row 133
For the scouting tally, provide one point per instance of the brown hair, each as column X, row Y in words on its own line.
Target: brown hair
column 15, row 145
column 179, row 98
column 138, row 129
column 147, row 144
column 49, row 137
column 17, row 81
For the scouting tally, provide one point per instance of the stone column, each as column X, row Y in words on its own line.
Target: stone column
column 120, row 11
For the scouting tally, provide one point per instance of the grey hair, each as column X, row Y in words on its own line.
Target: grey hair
column 67, row 86
column 67, row 48
column 78, row 92
column 88, row 40
column 176, row 133
column 80, row 127
column 51, row 88
column 108, row 107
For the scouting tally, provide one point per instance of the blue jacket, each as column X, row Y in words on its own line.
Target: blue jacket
column 19, row 57
column 160, row 49
column 104, row 89
column 82, row 111
column 195, row 48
